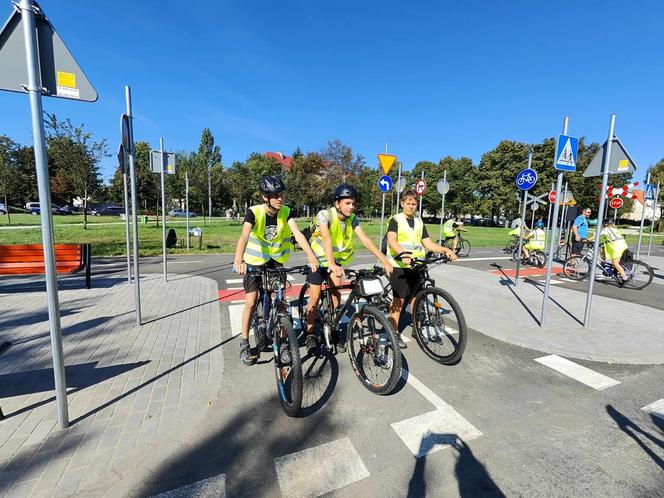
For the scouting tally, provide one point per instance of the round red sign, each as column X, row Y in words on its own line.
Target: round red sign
column 552, row 196
column 420, row 187
column 616, row 203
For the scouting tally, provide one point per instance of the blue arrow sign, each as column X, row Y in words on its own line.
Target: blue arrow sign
column 650, row 192
column 526, row 179
column 385, row 183
column 566, row 153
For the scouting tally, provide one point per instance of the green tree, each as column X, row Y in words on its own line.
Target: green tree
column 208, row 156
column 10, row 175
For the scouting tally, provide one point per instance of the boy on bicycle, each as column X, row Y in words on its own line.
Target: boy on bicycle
column 407, row 236
column 265, row 240
column 535, row 239
column 451, row 229
column 614, row 246
column 332, row 242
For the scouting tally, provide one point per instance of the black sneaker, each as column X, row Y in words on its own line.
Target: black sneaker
column 285, row 354
column 402, row 345
column 245, row 354
column 311, row 342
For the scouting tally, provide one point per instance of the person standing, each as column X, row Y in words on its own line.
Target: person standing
column 580, row 231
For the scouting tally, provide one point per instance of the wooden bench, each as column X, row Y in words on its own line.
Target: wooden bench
column 29, row 259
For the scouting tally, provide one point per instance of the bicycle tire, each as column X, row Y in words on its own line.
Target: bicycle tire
column 464, row 248
column 540, row 259
column 645, row 274
column 289, row 377
column 579, row 271
column 302, row 305
column 384, row 343
column 515, row 256
column 461, row 330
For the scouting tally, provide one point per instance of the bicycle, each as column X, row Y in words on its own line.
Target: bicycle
column 535, row 258
column 372, row 349
column 639, row 274
column 436, row 316
column 273, row 326
column 512, row 244
column 463, row 246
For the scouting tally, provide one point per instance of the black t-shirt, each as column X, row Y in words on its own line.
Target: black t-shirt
column 394, row 227
column 270, row 223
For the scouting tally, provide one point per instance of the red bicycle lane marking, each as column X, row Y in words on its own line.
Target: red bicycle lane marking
column 226, row 295
column 527, row 272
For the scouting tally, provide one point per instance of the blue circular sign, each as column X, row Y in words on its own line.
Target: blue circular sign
column 526, row 179
column 385, row 183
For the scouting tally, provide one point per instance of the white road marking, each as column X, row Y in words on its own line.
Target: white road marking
column 235, row 314
column 182, row 262
column 656, row 408
column 320, row 470
column 552, row 282
column 433, row 431
column 213, row 487
column 461, row 260
column 577, row 372
column 232, row 281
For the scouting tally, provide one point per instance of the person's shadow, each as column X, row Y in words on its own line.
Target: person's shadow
column 634, row 431
column 472, row 477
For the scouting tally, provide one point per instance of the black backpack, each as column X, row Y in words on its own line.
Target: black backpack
column 171, row 239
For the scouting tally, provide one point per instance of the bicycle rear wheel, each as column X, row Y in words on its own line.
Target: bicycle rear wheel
column 638, row 273
column 288, row 375
column 439, row 325
column 515, row 255
column 372, row 347
column 576, row 267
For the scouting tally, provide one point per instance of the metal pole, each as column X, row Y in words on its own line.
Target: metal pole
column 554, row 219
column 643, row 215
column 43, row 183
column 163, row 207
column 134, row 208
column 600, row 212
column 442, row 209
column 654, row 213
column 532, row 220
column 421, row 197
column 209, row 194
column 548, row 222
column 563, row 214
column 523, row 223
column 382, row 220
column 127, row 237
column 186, row 190
column 399, row 187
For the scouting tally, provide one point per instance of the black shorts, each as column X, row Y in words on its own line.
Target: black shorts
column 577, row 247
column 403, row 280
column 318, row 277
column 252, row 281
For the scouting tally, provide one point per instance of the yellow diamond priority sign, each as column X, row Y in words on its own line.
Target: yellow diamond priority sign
column 386, row 162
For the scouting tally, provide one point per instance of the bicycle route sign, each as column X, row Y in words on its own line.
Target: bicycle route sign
column 566, row 153
column 526, row 179
column 420, row 187
column 385, row 183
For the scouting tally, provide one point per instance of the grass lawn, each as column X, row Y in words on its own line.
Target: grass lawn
column 220, row 236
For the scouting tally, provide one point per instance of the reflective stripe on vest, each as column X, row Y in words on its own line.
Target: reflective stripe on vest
column 539, row 235
column 408, row 238
column 342, row 241
column 259, row 251
column 611, row 234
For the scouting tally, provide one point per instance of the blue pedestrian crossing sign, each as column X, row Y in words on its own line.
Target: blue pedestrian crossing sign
column 566, row 153
column 385, row 183
column 650, row 192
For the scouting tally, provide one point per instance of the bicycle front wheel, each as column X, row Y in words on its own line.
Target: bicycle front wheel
column 439, row 326
column 464, row 248
column 576, row 267
column 639, row 274
column 373, row 350
column 288, row 374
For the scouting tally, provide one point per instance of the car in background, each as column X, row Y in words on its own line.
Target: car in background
column 33, row 209
column 3, row 208
column 106, row 210
column 181, row 213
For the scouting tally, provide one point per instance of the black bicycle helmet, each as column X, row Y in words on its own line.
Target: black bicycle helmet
column 344, row 191
column 272, row 185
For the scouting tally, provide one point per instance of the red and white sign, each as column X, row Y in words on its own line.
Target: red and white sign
column 420, row 187
column 616, row 203
column 625, row 190
column 552, row 196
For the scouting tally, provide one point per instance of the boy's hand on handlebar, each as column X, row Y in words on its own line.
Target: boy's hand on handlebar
column 450, row 255
column 337, row 271
column 387, row 265
column 313, row 263
column 240, row 267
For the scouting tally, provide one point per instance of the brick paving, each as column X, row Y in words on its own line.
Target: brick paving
column 128, row 386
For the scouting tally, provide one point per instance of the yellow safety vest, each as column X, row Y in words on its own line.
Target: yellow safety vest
column 515, row 231
column 408, row 238
column 259, row 251
column 610, row 235
column 448, row 228
column 342, row 240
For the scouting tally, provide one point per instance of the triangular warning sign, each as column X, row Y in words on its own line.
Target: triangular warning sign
column 566, row 156
column 620, row 161
column 386, row 162
column 61, row 76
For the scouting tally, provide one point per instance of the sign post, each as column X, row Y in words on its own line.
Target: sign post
column 443, row 187
column 525, row 180
column 615, row 204
column 385, row 185
column 122, row 162
column 565, row 160
column 552, row 199
column 186, row 196
column 420, row 188
column 643, row 214
column 600, row 215
column 654, row 213
column 163, row 206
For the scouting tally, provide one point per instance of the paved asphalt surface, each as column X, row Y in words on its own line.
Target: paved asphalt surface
column 498, row 423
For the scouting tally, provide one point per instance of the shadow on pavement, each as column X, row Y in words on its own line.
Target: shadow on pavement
column 509, row 283
column 15, row 284
column 635, row 432
column 472, row 477
column 179, row 311
column 541, row 289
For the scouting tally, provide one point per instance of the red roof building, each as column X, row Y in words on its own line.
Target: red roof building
column 282, row 158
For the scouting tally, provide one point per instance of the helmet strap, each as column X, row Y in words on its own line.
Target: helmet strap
column 269, row 205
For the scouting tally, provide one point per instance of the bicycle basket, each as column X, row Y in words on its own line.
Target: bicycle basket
column 369, row 286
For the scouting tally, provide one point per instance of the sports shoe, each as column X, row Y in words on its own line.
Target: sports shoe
column 311, row 342
column 402, row 345
column 245, row 354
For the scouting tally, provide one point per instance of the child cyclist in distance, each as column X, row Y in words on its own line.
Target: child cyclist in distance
column 332, row 242
column 407, row 235
column 265, row 240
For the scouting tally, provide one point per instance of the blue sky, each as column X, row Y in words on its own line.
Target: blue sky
column 429, row 78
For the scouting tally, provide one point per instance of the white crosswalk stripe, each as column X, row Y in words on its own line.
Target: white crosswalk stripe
column 213, row 487
column 320, row 470
column 656, row 408
column 235, row 314
column 577, row 372
column 233, row 281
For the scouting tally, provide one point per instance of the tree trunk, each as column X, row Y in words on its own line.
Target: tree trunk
column 9, row 218
column 203, row 211
column 85, row 210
